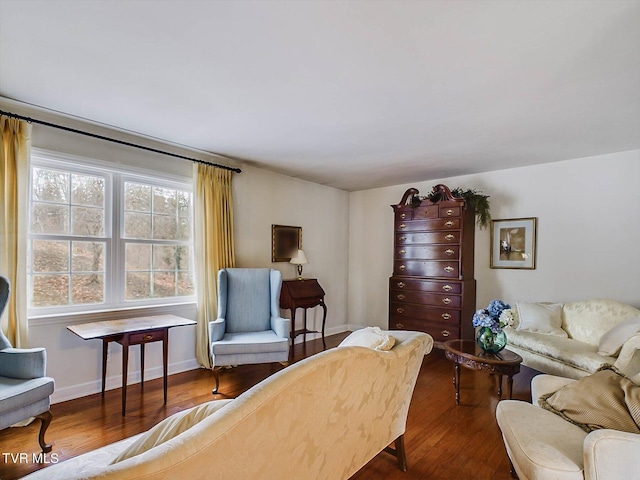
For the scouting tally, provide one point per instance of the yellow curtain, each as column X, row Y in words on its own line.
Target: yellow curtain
column 213, row 217
column 14, row 182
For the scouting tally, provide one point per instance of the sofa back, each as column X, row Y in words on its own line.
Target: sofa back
column 588, row 320
column 324, row 417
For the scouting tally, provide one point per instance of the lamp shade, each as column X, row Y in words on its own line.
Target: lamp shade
column 299, row 258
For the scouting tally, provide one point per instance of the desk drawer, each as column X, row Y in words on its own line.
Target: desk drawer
column 144, row 337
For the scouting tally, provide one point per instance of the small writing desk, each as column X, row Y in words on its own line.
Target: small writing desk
column 131, row 331
column 304, row 293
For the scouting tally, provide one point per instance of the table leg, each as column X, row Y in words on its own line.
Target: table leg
column 510, row 384
column 500, row 386
column 105, row 350
column 456, row 381
column 304, row 328
column 142, row 366
column 293, row 331
column 165, row 355
column 324, row 320
column 125, row 366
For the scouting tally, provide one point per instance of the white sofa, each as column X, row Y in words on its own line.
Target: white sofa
column 543, row 445
column 324, row 418
column 567, row 339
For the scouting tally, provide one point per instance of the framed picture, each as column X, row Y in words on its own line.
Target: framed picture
column 285, row 241
column 513, row 243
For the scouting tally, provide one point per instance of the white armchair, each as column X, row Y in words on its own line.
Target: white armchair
column 542, row 445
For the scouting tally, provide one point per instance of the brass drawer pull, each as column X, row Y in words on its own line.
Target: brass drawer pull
column 401, row 284
column 402, row 226
column 147, row 337
column 449, row 212
column 448, row 223
column 402, row 252
column 449, row 268
column 449, row 237
column 447, row 288
column 402, row 239
column 400, row 310
column 403, row 216
column 446, row 316
column 400, row 296
column 402, row 267
column 449, row 252
column 445, row 333
column 446, row 300
column 399, row 325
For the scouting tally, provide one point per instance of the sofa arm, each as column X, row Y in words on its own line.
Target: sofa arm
column 628, row 361
column 23, row 363
column 281, row 326
column 217, row 329
column 611, row 455
column 541, row 384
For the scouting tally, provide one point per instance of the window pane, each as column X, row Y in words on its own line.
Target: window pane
column 164, row 201
column 50, row 185
column 50, row 290
column 87, row 190
column 137, row 197
column 183, row 258
column 164, row 284
column 137, row 225
column 184, row 228
column 50, row 256
column 47, row 218
column 164, row 227
column 138, row 286
column 88, row 222
column 137, row 257
column 185, row 284
column 184, row 204
column 87, row 288
column 87, row 257
column 164, row 257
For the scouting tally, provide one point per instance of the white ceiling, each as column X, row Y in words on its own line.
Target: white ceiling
column 352, row 94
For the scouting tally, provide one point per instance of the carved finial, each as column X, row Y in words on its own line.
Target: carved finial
column 407, row 198
column 441, row 193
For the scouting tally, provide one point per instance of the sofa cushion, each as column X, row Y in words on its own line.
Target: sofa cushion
column 588, row 320
column 545, row 318
column 169, row 428
column 605, row 399
column 611, row 342
column 370, row 337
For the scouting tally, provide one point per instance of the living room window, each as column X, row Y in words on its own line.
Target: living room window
column 101, row 238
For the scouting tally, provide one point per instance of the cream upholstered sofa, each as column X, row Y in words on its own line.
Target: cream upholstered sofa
column 543, row 445
column 575, row 339
column 323, row 417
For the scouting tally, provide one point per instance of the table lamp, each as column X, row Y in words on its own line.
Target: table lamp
column 299, row 258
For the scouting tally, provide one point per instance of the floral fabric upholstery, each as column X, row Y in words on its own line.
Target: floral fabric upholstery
column 323, row 418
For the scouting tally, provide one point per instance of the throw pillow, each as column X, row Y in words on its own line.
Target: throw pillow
column 370, row 337
column 605, row 399
column 543, row 318
column 169, row 428
column 612, row 341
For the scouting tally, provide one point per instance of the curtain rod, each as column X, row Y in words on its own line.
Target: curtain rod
column 114, row 140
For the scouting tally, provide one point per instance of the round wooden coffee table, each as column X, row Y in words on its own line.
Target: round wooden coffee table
column 470, row 355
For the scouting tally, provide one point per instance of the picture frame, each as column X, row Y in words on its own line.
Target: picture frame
column 285, row 241
column 513, row 243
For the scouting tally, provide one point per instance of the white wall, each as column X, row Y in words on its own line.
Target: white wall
column 261, row 199
column 588, row 212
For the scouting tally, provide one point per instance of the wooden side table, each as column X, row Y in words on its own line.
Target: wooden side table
column 131, row 331
column 305, row 293
column 470, row 355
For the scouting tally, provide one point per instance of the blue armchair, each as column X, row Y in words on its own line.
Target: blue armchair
column 249, row 328
column 24, row 388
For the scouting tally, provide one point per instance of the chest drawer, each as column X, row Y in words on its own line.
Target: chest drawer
column 429, row 252
column 439, row 332
column 433, row 314
column 427, row 225
column 424, row 298
column 439, row 286
column 445, row 237
column 450, row 211
column 433, row 268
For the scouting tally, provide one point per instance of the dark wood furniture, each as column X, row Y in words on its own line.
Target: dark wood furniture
column 470, row 355
column 305, row 293
column 131, row 331
column 432, row 288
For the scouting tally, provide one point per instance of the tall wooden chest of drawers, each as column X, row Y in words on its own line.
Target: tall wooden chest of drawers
column 432, row 288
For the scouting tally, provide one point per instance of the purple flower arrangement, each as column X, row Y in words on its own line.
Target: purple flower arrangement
column 496, row 316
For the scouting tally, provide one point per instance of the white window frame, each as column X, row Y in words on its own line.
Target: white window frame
column 115, row 281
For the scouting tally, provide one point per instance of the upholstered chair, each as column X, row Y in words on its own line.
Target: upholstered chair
column 24, row 386
column 249, row 328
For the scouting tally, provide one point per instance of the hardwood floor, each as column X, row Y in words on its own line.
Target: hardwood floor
column 442, row 441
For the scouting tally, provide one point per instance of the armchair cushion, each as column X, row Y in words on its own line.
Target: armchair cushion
column 20, row 399
column 23, row 363
column 250, row 342
column 248, row 303
column 604, row 399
